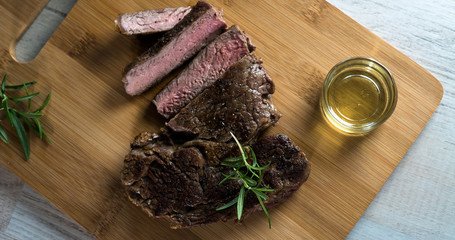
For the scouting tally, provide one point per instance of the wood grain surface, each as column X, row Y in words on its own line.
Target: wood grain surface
column 92, row 121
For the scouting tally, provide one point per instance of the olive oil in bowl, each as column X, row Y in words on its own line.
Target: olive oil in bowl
column 358, row 95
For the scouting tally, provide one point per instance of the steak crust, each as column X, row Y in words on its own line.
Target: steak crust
column 239, row 102
column 181, row 182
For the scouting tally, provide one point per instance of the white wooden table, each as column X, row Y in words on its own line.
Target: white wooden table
column 417, row 201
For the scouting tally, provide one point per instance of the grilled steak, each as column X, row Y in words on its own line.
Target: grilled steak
column 177, row 45
column 175, row 174
column 181, row 182
column 239, row 102
column 210, row 64
column 150, row 21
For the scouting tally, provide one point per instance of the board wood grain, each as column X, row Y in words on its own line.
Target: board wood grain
column 91, row 120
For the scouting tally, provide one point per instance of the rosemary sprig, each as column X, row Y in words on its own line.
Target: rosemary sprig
column 251, row 177
column 17, row 118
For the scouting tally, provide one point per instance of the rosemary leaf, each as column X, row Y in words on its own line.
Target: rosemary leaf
column 40, row 129
column 261, row 168
column 259, row 193
column 266, row 189
column 233, row 160
column 241, row 148
column 232, row 165
column 18, row 99
column 29, row 100
column 36, row 127
column 251, row 177
column 253, row 156
column 226, row 177
column 29, row 115
column 46, row 101
column 17, row 124
column 250, row 168
column 250, row 182
column 265, row 210
column 47, row 137
column 241, row 175
column 20, row 86
column 229, row 204
column 236, row 178
column 17, row 118
column 240, row 201
column 8, row 112
column 3, row 85
column 3, row 135
column 29, row 124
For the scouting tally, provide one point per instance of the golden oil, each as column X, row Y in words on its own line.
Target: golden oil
column 358, row 95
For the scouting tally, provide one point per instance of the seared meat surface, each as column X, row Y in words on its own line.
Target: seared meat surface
column 180, row 182
column 239, row 102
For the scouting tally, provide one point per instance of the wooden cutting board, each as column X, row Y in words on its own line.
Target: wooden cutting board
column 91, row 120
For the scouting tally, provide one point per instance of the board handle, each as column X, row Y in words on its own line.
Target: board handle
column 33, row 39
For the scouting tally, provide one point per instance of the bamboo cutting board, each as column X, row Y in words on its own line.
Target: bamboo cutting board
column 91, row 120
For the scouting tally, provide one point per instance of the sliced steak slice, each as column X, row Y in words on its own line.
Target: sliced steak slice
column 208, row 65
column 180, row 184
column 177, row 45
column 150, row 21
column 239, row 102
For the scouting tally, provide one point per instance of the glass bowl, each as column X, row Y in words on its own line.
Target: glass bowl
column 358, row 95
